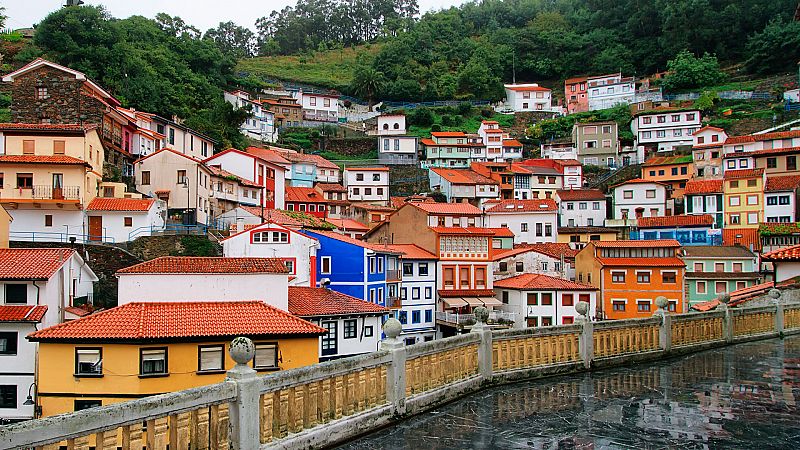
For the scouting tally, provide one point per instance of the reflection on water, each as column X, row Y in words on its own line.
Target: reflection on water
column 737, row 397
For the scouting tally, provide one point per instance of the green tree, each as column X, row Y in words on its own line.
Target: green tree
column 233, row 40
column 688, row 71
column 368, row 83
column 707, row 101
column 775, row 49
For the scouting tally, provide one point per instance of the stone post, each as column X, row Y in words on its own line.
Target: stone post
column 485, row 345
column 727, row 321
column 586, row 341
column 775, row 295
column 396, row 372
column 665, row 331
column 244, row 412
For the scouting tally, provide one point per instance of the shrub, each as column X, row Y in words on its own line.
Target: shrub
column 436, row 127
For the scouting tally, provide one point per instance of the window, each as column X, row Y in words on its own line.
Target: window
column 784, row 200
column 735, row 219
column 737, row 267
column 772, row 163
column 88, row 361
column 503, row 266
column 428, row 292
column 642, row 277
column 16, row 294
column 376, row 177
column 146, row 177
column 734, row 200
column 771, row 201
column 210, row 358
column 791, row 162
column 701, row 287
column 402, row 317
column 58, row 147
column 519, row 266
column 720, row 287
column 698, row 267
column 547, row 321
column 48, row 220
column 464, row 277
column 128, row 221
column 423, row 269
column 368, row 331
column 267, row 354
column 567, row 300
column 80, row 405
column 448, row 273
column 153, row 361
column 25, row 180
column 617, row 277
column 172, row 136
column 415, row 293
column 627, row 194
column 325, row 265
column 350, row 326
column 428, row 315
column 28, row 147
column 416, row 316
column 752, row 199
column 8, row 343
column 650, row 193
column 359, row 177
column 263, row 237
column 567, row 320
column 752, row 218
column 669, row 277
column 643, row 305
column 182, row 177
column 523, row 227
column 719, row 267
column 8, row 396
column 618, row 305
column 582, row 205
column 547, row 299
column 408, row 269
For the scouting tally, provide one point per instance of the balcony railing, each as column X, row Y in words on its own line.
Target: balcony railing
column 56, row 193
column 495, row 318
column 394, row 302
column 394, row 275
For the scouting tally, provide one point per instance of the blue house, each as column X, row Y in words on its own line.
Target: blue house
column 688, row 230
column 354, row 267
column 303, row 171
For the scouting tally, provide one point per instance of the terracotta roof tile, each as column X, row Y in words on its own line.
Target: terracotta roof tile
column 70, row 127
column 347, row 224
column 22, row 313
column 207, row 264
column 448, row 134
column 502, row 232
column 120, row 204
column 637, row 181
column 762, row 137
column 551, row 249
column 462, row 176
column 668, row 160
column 330, row 187
column 778, row 228
column 516, row 206
column 585, row 230
column 527, row 88
column 637, row 244
column 32, row 263
column 450, row 293
column 412, row 251
column 743, row 173
column 218, row 171
column 784, row 254
column 343, row 238
column 642, row 262
column 312, row 301
column 745, row 237
column 153, row 321
column 447, row 208
column 535, row 281
column 42, row 159
column 303, row 195
column 782, row 183
column 268, row 155
column 676, row 221
column 703, row 187
column 464, row 231
column 581, row 194
column 511, row 143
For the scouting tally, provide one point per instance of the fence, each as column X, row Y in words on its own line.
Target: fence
column 65, row 237
column 726, row 95
column 326, row 403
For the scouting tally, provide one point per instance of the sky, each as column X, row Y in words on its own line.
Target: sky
column 203, row 14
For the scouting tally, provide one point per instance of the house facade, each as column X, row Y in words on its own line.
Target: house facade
column 318, row 106
column 394, row 145
column 532, row 221
column 453, row 149
column 715, row 270
column 528, row 97
column 664, row 129
column 576, row 95
column 543, row 301
column 261, row 125
column 781, row 198
column 597, row 143
column 463, row 185
column 704, row 196
column 581, row 208
column 367, row 184
column 689, row 230
column 707, row 151
column 417, row 293
column 306, row 199
column 125, row 219
column 674, row 171
column 639, row 198
column 744, row 197
column 261, row 171
column 608, row 91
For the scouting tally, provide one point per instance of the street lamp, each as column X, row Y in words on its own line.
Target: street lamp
column 37, row 409
column 188, row 191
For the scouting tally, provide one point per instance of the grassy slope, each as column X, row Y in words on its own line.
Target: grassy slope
column 332, row 69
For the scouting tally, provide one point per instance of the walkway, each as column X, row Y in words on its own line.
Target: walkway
column 744, row 396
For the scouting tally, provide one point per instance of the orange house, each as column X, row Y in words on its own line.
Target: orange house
column 675, row 171
column 631, row 274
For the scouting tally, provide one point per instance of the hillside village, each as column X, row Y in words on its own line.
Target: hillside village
column 310, row 256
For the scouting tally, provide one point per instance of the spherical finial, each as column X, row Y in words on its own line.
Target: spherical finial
column 724, row 298
column 662, row 302
column 242, row 350
column 774, row 294
column 481, row 314
column 392, row 328
column 582, row 308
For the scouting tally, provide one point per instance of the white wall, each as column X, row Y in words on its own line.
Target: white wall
column 19, row 369
column 786, row 270
column 533, row 262
column 391, row 124
column 640, row 200
column 351, row 181
column 352, row 346
column 580, row 217
column 271, row 288
column 779, row 210
column 517, row 221
column 517, row 303
column 144, row 223
column 409, row 304
column 29, row 221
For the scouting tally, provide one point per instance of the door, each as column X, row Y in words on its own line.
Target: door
column 95, row 228
column 58, row 186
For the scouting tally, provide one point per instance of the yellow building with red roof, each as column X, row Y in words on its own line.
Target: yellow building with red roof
column 744, row 197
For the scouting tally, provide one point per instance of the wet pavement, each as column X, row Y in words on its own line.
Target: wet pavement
column 740, row 397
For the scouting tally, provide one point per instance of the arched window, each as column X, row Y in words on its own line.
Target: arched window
column 396, row 126
column 386, row 126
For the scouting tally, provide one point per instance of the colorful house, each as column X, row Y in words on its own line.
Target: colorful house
column 543, row 301
column 674, row 171
column 712, row 270
column 108, row 357
column 705, row 197
column 631, row 274
column 581, row 207
column 463, row 185
column 578, row 237
column 532, row 221
column 744, row 197
column 688, row 230
column 707, row 151
column 638, row 198
column 306, row 199
column 781, row 198
column 417, row 293
column 785, row 262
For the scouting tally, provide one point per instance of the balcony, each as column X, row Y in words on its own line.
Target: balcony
column 394, row 275
column 394, row 302
column 46, row 192
column 499, row 319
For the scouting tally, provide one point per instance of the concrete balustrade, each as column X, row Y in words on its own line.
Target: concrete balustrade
column 326, row 403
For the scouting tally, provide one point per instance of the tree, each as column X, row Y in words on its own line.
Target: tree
column 706, row 101
column 3, row 17
column 688, row 71
column 368, row 83
column 233, row 40
column 775, row 49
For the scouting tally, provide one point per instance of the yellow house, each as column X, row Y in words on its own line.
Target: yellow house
column 743, row 192
column 110, row 357
column 578, row 237
column 48, row 174
column 5, row 225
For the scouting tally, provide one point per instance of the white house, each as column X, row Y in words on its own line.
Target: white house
column 125, row 219
column 608, row 91
column 531, row 221
column 251, row 167
column 544, row 300
column 780, row 198
column 792, row 95
column 459, row 185
column 581, row 208
column 534, row 258
column 417, row 293
column 394, row 145
column 639, row 198
column 317, row 106
column 707, row 151
column 367, row 184
column 271, row 240
column 172, row 278
column 528, row 97
column 761, row 141
column 354, row 326
column 663, row 130
column 37, row 288
column 261, row 126
column 499, row 146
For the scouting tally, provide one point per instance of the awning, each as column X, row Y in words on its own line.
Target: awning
column 455, row 302
column 491, row 301
column 473, row 301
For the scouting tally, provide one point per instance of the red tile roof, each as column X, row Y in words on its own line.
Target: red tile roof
column 581, row 194
column 743, row 173
column 637, row 181
column 153, row 321
column 637, row 244
column 766, row 152
column 22, row 313
column 268, row 155
column 368, row 169
column 313, row 301
column 782, row 183
column 762, row 137
column 297, row 157
column 462, row 176
column 347, row 224
column 527, row 88
column 120, row 204
column 207, row 264
column 464, row 230
column 32, row 263
column 411, row 251
column 303, row 195
column 784, row 254
column 273, row 215
column 330, row 187
column 42, row 159
column 450, row 293
column 516, row 206
column 703, row 187
column 448, row 134
column 551, row 249
column 675, row 221
column 741, row 236
column 447, row 208
column 535, row 281
column 343, row 238
column 69, row 127
column 642, row 262
column 511, row 143
column 397, row 202
column 502, row 232
column 218, row 171
column 80, row 311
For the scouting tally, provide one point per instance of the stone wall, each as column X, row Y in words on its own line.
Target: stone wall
column 65, row 102
column 351, row 146
column 151, row 247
